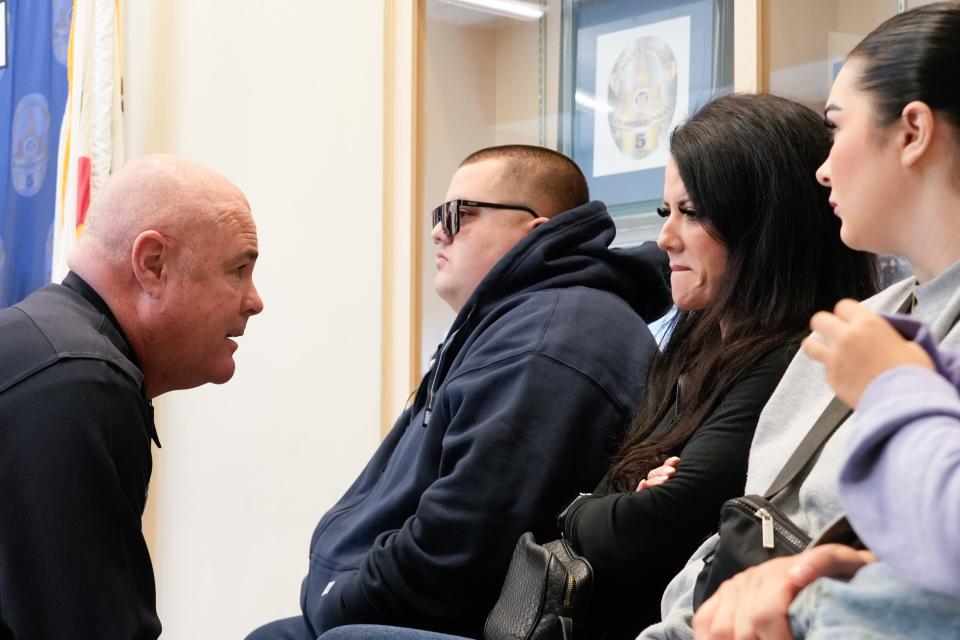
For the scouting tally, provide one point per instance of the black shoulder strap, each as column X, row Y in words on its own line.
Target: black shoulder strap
column 828, row 422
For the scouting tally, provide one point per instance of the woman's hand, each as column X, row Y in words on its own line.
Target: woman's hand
column 661, row 474
column 754, row 604
column 856, row 346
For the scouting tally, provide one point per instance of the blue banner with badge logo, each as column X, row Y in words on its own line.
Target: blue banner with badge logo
column 33, row 93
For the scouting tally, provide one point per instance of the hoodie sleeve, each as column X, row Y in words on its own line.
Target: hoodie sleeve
column 900, row 484
column 523, row 435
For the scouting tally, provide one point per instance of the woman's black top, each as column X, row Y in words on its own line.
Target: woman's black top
column 637, row 541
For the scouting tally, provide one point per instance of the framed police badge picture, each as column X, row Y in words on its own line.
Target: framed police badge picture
column 632, row 71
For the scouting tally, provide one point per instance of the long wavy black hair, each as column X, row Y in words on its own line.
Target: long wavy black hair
column 748, row 163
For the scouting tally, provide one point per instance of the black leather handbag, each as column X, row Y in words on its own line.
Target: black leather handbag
column 752, row 528
column 545, row 595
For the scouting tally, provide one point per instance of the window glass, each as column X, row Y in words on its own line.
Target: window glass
column 805, row 44
column 483, row 78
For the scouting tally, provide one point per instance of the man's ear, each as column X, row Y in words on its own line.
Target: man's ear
column 917, row 123
column 149, row 258
column 536, row 222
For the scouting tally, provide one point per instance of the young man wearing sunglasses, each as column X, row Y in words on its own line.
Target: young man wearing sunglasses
column 521, row 408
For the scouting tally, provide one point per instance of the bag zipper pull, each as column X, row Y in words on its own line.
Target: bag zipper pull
column 568, row 592
column 766, row 527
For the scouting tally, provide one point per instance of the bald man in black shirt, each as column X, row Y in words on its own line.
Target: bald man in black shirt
column 160, row 282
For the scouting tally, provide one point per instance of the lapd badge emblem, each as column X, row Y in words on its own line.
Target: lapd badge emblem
column 28, row 144
column 61, row 12
column 642, row 95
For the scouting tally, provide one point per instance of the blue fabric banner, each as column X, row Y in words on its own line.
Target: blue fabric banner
column 33, row 93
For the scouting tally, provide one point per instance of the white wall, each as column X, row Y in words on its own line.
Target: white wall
column 286, row 99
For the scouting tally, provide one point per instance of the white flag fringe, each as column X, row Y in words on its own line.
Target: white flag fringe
column 91, row 135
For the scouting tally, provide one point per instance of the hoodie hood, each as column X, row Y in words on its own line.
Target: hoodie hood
column 571, row 249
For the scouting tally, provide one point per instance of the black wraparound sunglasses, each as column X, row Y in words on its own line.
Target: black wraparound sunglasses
column 448, row 214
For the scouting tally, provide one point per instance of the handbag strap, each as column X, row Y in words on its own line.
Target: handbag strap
column 828, row 422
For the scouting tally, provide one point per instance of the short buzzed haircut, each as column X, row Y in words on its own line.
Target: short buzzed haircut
column 550, row 174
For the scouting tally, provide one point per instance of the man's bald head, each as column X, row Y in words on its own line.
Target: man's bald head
column 548, row 176
column 170, row 246
column 171, row 195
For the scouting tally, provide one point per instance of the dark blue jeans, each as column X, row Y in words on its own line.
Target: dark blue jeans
column 287, row 629
column 379, row 632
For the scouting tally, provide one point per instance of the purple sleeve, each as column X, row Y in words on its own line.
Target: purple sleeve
column 900, row 484
column 947, row 363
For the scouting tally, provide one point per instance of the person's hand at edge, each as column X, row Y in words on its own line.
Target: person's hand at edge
column 754, row 604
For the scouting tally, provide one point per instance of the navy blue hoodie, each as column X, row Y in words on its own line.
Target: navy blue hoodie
column 521, row 409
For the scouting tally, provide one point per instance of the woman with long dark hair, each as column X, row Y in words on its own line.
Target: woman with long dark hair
column 740, row 178
column 894, row 176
